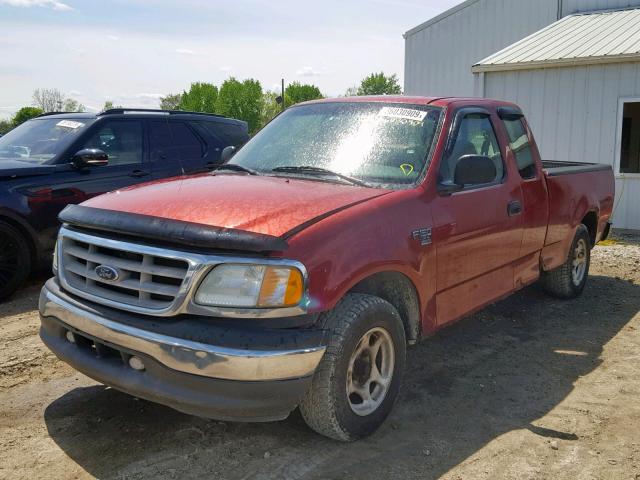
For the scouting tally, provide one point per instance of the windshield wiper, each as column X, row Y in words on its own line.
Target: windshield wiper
column 234, row 167
column 310, row 170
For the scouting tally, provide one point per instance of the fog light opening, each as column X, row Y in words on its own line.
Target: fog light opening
column 70, row 336
column 136, row 363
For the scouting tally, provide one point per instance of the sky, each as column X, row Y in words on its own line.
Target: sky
column 131, row 52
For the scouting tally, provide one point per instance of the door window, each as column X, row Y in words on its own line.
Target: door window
column 225, row 133
column 521, row 148
column 475, row 136
column 120, row 140
column 160, row 144
column 174, row 142
column 189, row 146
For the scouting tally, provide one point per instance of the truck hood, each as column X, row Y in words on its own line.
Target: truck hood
column 12, row 168
column 259, row 204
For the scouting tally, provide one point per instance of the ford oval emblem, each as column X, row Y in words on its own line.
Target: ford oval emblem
column 107, row 273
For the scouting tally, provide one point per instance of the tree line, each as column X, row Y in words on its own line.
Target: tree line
column 245, row 100
column 43, row 100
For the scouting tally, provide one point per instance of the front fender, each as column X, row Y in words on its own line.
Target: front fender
column 376, row 236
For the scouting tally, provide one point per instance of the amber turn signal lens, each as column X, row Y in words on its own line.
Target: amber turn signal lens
column 281, row 287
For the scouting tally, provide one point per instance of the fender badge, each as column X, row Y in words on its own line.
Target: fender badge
column 423, row 235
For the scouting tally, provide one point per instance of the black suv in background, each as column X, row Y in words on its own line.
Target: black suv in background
column 58, row 159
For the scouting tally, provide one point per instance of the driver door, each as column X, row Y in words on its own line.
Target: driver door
column 477, row 234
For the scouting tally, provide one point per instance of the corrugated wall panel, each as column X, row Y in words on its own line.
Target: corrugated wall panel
column 574, row 6
column 573, row 113
column 438, row 58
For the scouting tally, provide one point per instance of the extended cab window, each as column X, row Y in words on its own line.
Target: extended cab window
column 121, row 140
column 475, row 136
column 521, row 147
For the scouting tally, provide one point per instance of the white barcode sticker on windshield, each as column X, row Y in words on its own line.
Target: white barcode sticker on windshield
column 404, row 113
column 69, row 124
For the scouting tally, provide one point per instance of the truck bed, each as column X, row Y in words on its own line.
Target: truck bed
column 553, row 168
column 575, row 190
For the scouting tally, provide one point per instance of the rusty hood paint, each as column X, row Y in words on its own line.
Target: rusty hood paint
column 259, row 204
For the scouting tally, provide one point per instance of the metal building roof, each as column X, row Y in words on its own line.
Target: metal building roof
column 582, row 39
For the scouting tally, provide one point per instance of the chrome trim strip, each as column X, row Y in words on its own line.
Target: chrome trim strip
column 199, row 266
column 185, row 355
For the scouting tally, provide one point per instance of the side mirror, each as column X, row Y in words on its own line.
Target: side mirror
column 90, row 157
column 227, row 153
column 474, row 170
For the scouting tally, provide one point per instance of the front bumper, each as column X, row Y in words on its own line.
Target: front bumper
column 227, row 383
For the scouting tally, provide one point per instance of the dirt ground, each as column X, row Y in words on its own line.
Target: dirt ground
column 530, row 388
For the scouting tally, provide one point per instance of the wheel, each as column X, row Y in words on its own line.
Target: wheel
column 15, row 260
column 569, row 279
column 357, row 382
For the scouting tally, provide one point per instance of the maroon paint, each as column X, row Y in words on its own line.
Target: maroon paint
column 478, row 254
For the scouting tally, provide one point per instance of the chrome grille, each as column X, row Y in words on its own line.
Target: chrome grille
column 145, row 280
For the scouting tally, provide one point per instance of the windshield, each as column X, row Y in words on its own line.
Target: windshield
column 41, row 139
column 382, row 144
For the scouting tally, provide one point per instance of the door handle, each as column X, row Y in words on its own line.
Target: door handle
column 138, row 173
column 514, row 208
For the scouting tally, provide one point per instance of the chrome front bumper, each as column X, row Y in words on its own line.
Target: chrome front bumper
column 176, row 353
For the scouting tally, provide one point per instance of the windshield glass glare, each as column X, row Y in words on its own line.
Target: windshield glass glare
column 380, row 143
column 41, row 139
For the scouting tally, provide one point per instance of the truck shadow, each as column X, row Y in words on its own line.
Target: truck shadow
column 498, row 371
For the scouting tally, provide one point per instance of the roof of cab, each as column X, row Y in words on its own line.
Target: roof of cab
column 413, row 100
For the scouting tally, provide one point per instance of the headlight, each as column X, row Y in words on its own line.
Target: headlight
column 231, row 285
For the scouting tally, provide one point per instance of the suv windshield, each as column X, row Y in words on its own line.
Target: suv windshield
column 41, row 139
column 381, row 144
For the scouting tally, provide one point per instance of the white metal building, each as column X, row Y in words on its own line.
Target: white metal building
column 573, row 67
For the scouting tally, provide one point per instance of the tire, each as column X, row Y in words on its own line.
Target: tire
column 327, row 407
column 565, row 281
column 15, row 260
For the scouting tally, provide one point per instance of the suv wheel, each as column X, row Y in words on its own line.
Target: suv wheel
column 357, row 381
column 15, row 260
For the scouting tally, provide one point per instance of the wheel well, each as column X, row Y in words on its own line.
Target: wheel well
column 23, row 231
column 399, row 291
column 590, row 221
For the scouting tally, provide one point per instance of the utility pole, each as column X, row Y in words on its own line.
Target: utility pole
column 283, row 94
column 280, row 98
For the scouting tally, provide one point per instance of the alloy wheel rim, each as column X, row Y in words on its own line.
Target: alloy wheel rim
column 579, row 264
column 370, row 371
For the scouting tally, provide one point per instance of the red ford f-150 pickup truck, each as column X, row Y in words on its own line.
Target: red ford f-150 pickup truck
column 296, row 274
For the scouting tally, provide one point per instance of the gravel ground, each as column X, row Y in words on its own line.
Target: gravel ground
column 529, row 388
